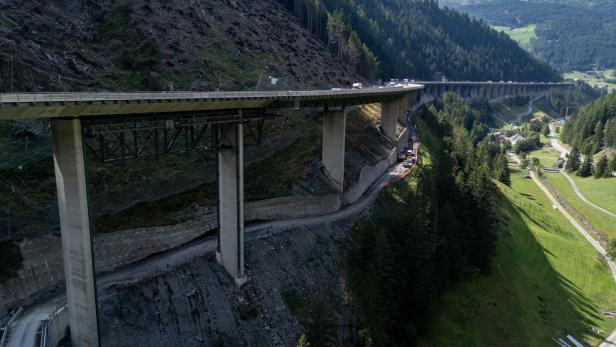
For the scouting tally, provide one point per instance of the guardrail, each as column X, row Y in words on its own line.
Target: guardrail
column 5, row 334
column 54, row 327
column 117, row 96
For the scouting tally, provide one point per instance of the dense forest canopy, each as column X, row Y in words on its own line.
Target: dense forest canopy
column 594, row 128
column 419, row 243
column 573, row 35
column 416, row 39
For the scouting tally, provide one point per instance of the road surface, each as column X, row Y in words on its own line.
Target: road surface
column 24, row 330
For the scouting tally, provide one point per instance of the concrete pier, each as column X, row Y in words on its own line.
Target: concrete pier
column 230, row 252
column 75, row 229
column 334, row 124
column 389, row 118
column 402, row 108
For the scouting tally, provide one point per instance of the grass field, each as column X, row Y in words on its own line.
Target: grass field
column 594, row 80
column 547, row 281
column 521, row 35
column 547, row 156
column 601, row 192
column 600, row 220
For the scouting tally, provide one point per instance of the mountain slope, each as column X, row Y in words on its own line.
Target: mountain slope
column 572, row 35
column 416, row 38
column 68, row 45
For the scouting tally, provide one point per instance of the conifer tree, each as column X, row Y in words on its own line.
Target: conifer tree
column 585, row 169
column 612, row 165
column 601, row 169
column 573, row 162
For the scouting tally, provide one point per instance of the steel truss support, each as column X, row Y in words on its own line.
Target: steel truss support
column 118, row 141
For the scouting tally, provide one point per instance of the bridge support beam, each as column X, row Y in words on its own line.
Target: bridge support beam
column 334, row 133
column 230, row 252
column 69, row 163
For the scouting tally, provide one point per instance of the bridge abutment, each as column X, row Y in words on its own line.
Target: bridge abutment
column 69, row 163
column 230, row 252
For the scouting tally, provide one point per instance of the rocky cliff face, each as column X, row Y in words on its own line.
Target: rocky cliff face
column 69, row 45
column 197, row 304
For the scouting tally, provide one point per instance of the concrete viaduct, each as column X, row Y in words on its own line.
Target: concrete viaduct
column 228, row 112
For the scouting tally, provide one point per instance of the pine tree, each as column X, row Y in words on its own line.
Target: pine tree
column 601, row 169
column 573, row 162
column 612, row 166
column 501, row 169
column 585, row 169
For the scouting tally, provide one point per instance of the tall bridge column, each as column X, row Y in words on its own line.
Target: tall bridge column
column 402, row 108
column 334, row 130
column 230, row 252
column 389, row 118
column 69, row 163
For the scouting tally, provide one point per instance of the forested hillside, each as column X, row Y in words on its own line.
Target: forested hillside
column 423, row 239
column 416, row 39
column 572, row 35
column 75, row 45
column 594, row 128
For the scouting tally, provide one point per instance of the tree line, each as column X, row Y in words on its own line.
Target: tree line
column 586, row 168
column 594, row 127
column 416, row 39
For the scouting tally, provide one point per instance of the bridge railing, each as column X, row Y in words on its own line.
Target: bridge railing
column 128, row 96
column 5, row 333
column 54, row 328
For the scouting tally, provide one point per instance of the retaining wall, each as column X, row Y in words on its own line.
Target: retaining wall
column 43, row 268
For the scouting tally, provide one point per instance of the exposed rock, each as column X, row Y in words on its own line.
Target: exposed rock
column 197, row 304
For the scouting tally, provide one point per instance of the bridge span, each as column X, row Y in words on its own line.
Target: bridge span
column 226, row 115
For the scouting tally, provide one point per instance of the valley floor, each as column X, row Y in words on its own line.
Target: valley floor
column 547, row 281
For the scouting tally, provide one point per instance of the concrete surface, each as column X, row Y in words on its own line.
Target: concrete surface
column 231, row 201
column 334, row 135
column 75, row 228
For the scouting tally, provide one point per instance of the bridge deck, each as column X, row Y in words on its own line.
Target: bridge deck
column 63, row 105
column 58, row 105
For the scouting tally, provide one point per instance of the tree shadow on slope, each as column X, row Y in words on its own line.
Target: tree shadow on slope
column 562, row 306
column 525, row 301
